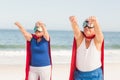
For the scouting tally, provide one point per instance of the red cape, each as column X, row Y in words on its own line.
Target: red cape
column 28, row 57
column 73, row 59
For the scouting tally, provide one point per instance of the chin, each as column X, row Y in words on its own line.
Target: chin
column 87, row 33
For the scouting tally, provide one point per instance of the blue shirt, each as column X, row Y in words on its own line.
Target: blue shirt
column 39, row 53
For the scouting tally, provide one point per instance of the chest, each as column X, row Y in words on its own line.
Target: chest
column 87, row 47
column 40, row 46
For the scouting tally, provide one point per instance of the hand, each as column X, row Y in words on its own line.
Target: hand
column 39, row 23
column 73, row 20
column 92, row 20
column 17, row 23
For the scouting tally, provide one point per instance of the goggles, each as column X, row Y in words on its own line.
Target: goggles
column 86, row 24
column 36, row 28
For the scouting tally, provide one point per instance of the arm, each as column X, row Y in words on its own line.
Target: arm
column 75, row 27
column 45, row 32
column 26, row 34
column 77, row 32
column 98, row 33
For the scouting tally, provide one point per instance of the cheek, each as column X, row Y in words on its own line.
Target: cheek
column 92, row 31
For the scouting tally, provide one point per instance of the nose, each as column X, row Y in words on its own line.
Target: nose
column 86, row 27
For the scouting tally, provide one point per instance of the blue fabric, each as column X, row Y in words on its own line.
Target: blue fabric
column 39, row 53
column 91, row 75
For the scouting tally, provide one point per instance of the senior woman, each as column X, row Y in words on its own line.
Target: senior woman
column 38, row 57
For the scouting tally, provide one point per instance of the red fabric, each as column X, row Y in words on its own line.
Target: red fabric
column 73, row 60
column 28, row 57
column 102, row 56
